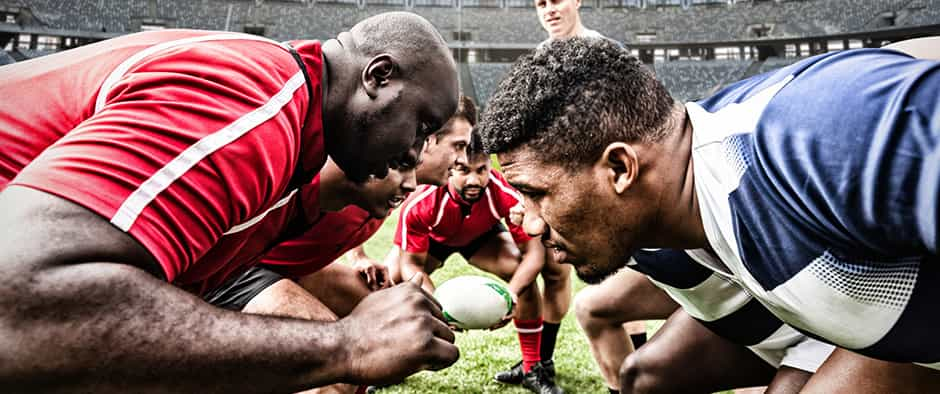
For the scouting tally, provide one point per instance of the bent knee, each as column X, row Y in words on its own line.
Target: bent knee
column 641, row 373
column 591, row 311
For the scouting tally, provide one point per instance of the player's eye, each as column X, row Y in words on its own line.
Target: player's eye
column 532, row 194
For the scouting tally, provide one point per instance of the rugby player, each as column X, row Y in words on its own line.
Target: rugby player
column 296, row 278
column 139, row 172
column 812, row 188
column 464, row 217
column 353, row 212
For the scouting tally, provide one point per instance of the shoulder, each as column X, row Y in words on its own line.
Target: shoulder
column 422, row 201
column 502, row 188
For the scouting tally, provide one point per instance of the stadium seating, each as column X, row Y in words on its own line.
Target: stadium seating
column 689, row 80
column 285, row 19
column 486, row 77
column 505, row 24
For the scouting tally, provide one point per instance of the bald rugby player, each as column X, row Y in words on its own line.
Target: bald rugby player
column 139, row 172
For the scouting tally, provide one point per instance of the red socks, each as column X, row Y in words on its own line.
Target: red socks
column 530, row 340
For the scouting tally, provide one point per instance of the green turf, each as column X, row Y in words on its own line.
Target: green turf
column 483, row 352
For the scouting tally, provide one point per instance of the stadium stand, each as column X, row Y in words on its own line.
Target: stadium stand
column 711, row 22
column 689, row 80
column 695, row 46
column 5, row 58
column 486, row 77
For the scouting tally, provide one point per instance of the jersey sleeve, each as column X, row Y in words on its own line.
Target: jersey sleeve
column 182, row 150
column 413, row 232
column 505, row 198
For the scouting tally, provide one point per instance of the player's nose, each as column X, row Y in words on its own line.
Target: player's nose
column 461, row 158
column 409, row 181
column 532, row 223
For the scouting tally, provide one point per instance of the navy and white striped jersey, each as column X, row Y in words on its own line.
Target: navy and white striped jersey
column 818, row 185
column 726, row 309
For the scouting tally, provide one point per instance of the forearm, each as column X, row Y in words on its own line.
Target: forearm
column 533, row 259
column 111, row 327
column 411, row 265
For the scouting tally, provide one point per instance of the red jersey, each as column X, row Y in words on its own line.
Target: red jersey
column 333, row 234
column 186, row 140
column 433, row 212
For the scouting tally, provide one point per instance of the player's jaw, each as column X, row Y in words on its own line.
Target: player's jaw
column 471, row 193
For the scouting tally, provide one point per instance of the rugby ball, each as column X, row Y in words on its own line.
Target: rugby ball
column 472, row 302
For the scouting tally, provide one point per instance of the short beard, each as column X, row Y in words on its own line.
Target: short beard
column 478, row 197
column 594, row 274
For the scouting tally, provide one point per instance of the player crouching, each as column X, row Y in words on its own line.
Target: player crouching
column 464, row 217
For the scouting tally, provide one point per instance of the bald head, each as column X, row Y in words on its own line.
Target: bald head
column 406, row 36
column 392, row 82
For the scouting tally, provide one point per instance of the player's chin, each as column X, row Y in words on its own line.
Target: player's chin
column 380, row 212
column 592, row 273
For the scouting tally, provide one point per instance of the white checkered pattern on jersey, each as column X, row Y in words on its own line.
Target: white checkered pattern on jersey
column 733, row 147
column 886, row 284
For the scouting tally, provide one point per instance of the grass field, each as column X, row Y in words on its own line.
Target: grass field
column 483, row 353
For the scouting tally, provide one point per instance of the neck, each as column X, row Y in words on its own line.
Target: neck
column 678, row 221
column 334, row 188
column 578, row 30
column 336, row 62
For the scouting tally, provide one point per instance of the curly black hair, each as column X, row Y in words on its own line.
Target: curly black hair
column 571, row 98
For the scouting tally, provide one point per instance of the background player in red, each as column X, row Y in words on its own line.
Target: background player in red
column 157, row 157
column 464, row 217
column 443, row 150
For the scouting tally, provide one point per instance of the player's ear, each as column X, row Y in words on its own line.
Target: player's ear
column 377, row 73
column 620, row 165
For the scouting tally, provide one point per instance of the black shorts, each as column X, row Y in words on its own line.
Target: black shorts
column 236, row 292
column 441, row 252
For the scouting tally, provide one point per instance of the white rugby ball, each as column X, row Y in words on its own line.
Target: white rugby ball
column 472, row 302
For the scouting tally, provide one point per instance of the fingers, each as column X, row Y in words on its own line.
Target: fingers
column 516, row 214
column 502, row 323
column 382, row 278
column 446, row 354
column 367, row 276
column 443, row 331
column 435, row 307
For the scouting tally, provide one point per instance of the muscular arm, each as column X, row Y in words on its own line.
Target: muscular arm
column 77, row 311
column 533, row 259
column 413, row 263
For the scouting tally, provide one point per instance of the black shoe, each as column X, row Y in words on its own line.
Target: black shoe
column 549, row 366
column 513, row 376
column 538, row 381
